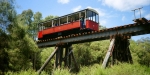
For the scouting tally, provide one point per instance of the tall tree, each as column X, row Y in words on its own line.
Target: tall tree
column 22, row 44
column 7, row 15
column 25, row 19
column 37, row 18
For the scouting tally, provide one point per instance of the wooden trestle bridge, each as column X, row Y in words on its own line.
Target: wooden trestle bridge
column 118, row 49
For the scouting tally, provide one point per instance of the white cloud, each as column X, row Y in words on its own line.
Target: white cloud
column 101, row 12
column 125, row 5
column 63, row 1
column 123, row 18
column 147, row 16
column 76, row 8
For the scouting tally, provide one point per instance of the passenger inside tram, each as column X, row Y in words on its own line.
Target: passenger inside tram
column 82, row 22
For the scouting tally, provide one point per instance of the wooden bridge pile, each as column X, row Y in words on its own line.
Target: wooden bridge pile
column 63, row 53
column 118, row 50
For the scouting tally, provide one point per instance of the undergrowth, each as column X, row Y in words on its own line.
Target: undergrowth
column 96, row 69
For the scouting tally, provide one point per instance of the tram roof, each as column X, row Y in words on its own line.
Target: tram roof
column 71, row 14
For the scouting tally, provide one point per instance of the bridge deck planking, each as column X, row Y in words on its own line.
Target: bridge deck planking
column 131, row 30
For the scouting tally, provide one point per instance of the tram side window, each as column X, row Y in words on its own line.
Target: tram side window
column 41, row 27
column 82, row 14
column 97, row 18
column 56, row 22
column 48, row 24
column 52, row 23
column 63, row 20
column 90, row 15
column 44, row 27
column 70, row 19
column 76, row 16
column 94, row 16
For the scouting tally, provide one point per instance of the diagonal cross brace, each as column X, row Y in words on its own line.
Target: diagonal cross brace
column 47, row 61
column 108, row 53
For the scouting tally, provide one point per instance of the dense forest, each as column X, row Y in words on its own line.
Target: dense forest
column 19, row 54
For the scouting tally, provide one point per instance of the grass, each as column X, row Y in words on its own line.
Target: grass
column 128, row 69
column 121, row 69
column 26, row 72
column 61, row 72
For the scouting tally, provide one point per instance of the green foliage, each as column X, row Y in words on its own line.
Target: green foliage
column 25, row 72
column 37, row 18
column 25, row 19
column 99, row 49
column 83, row 53
column 22, row 47
column 88, row 53
column 22, row 72
column 45, row 53
column 102, row 27
column 49, row 17
column 30, row 21
column 7, row 13
column 133, row 49
column 61, row 72
column 121, row 69
column 128, row 69
column 144, row 51
column 140, row 51
column 92, row 70
column 96, row 69
column 18, row 47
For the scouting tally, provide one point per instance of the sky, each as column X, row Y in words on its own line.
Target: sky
column 111, row 12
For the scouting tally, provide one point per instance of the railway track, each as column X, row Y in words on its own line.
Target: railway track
column 141, row 26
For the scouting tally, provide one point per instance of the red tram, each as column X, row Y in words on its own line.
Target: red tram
column 88, row 19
